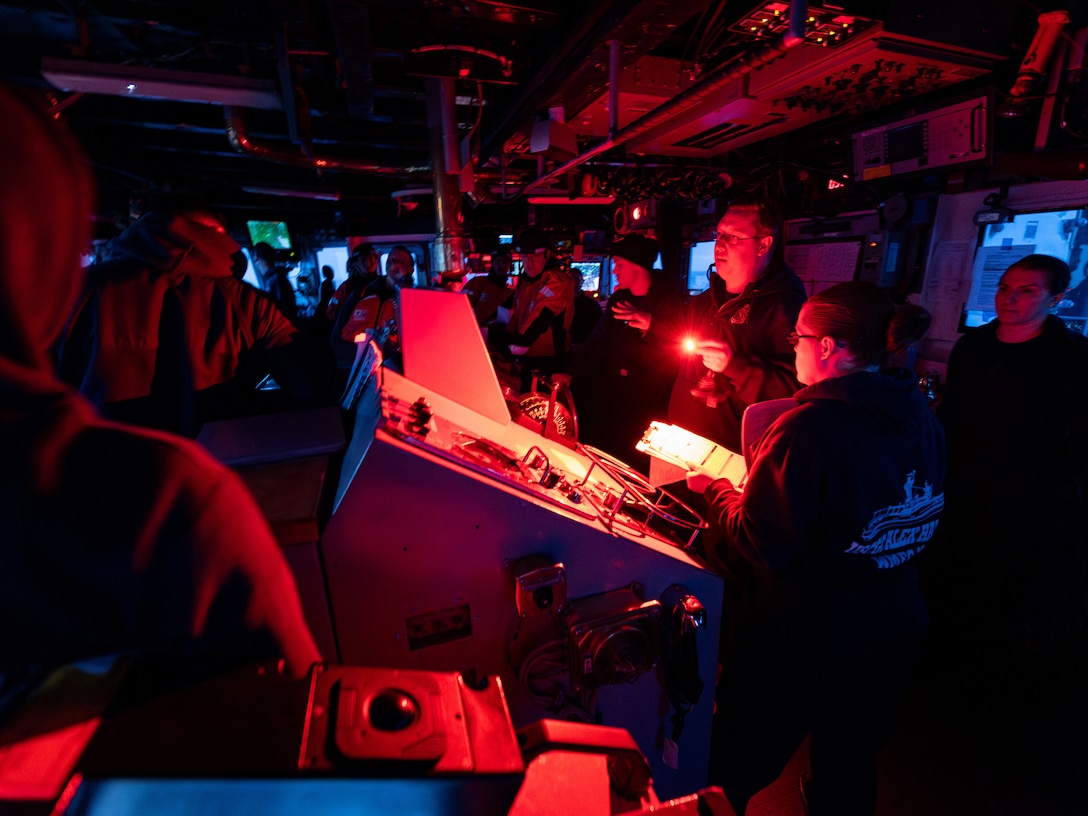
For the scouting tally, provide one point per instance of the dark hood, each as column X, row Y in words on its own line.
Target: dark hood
column 890, row 399
column 46, row 202
column 164, row 242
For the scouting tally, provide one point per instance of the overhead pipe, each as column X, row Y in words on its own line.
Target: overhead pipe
column 745, row 64
column 615, row 54
column 240, row 141
column 450, row 243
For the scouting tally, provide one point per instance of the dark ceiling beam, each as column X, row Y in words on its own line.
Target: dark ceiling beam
column 352, row 33
column 592, row 30
column 287, row 85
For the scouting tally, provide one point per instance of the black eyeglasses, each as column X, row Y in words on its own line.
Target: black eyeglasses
column 793, row 338
column 733, row 240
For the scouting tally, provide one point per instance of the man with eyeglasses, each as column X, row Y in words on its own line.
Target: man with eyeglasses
column 740, row 327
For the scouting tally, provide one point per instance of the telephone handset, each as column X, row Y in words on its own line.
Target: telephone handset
column 683, row 683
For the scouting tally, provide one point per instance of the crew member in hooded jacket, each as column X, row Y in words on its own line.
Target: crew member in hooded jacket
column 844, row 491
column 116, row 539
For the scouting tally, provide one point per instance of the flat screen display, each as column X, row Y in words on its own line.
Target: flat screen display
column 1061, row 233
column 591, row 274
column 273, row 233
column 700, row 266
column 907, row 142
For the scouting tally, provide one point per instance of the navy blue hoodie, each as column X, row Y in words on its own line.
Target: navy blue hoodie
column 846, row 488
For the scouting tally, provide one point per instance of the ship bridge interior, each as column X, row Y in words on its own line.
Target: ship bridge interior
column 513, row 621
column 355, row 118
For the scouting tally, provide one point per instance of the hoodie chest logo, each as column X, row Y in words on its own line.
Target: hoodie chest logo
column 897, row 533
column 741, row 314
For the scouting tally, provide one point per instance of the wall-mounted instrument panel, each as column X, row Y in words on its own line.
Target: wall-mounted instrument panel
column 958, row 134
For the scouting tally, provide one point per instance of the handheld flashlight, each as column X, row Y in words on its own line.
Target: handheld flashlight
column 689, row 344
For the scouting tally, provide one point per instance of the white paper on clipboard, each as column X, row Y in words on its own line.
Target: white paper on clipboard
column 686, row 451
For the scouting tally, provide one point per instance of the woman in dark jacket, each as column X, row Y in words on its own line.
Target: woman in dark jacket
column 843, row 491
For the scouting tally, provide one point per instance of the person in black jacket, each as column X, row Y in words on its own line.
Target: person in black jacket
column 621, row 379
column 844, row 491
column 1008, row 585
column 274, row 279
column 739, row 326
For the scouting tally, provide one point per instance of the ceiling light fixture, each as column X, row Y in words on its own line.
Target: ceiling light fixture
column 317, row 193
column 410, row 199
column 566, row 199
column 159, row 83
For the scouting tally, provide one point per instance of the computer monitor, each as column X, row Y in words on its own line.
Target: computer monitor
column 274, row 233
column 700, row 266
column 591, row 274
column 1061, row 233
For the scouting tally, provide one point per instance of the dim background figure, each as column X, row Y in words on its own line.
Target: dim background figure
column 587, row 313
column 537, row 333
column 274, row 279
column 327, row 288
column 1074, row 302
column 491, row 295
column 362, row 269
column 400, row 269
